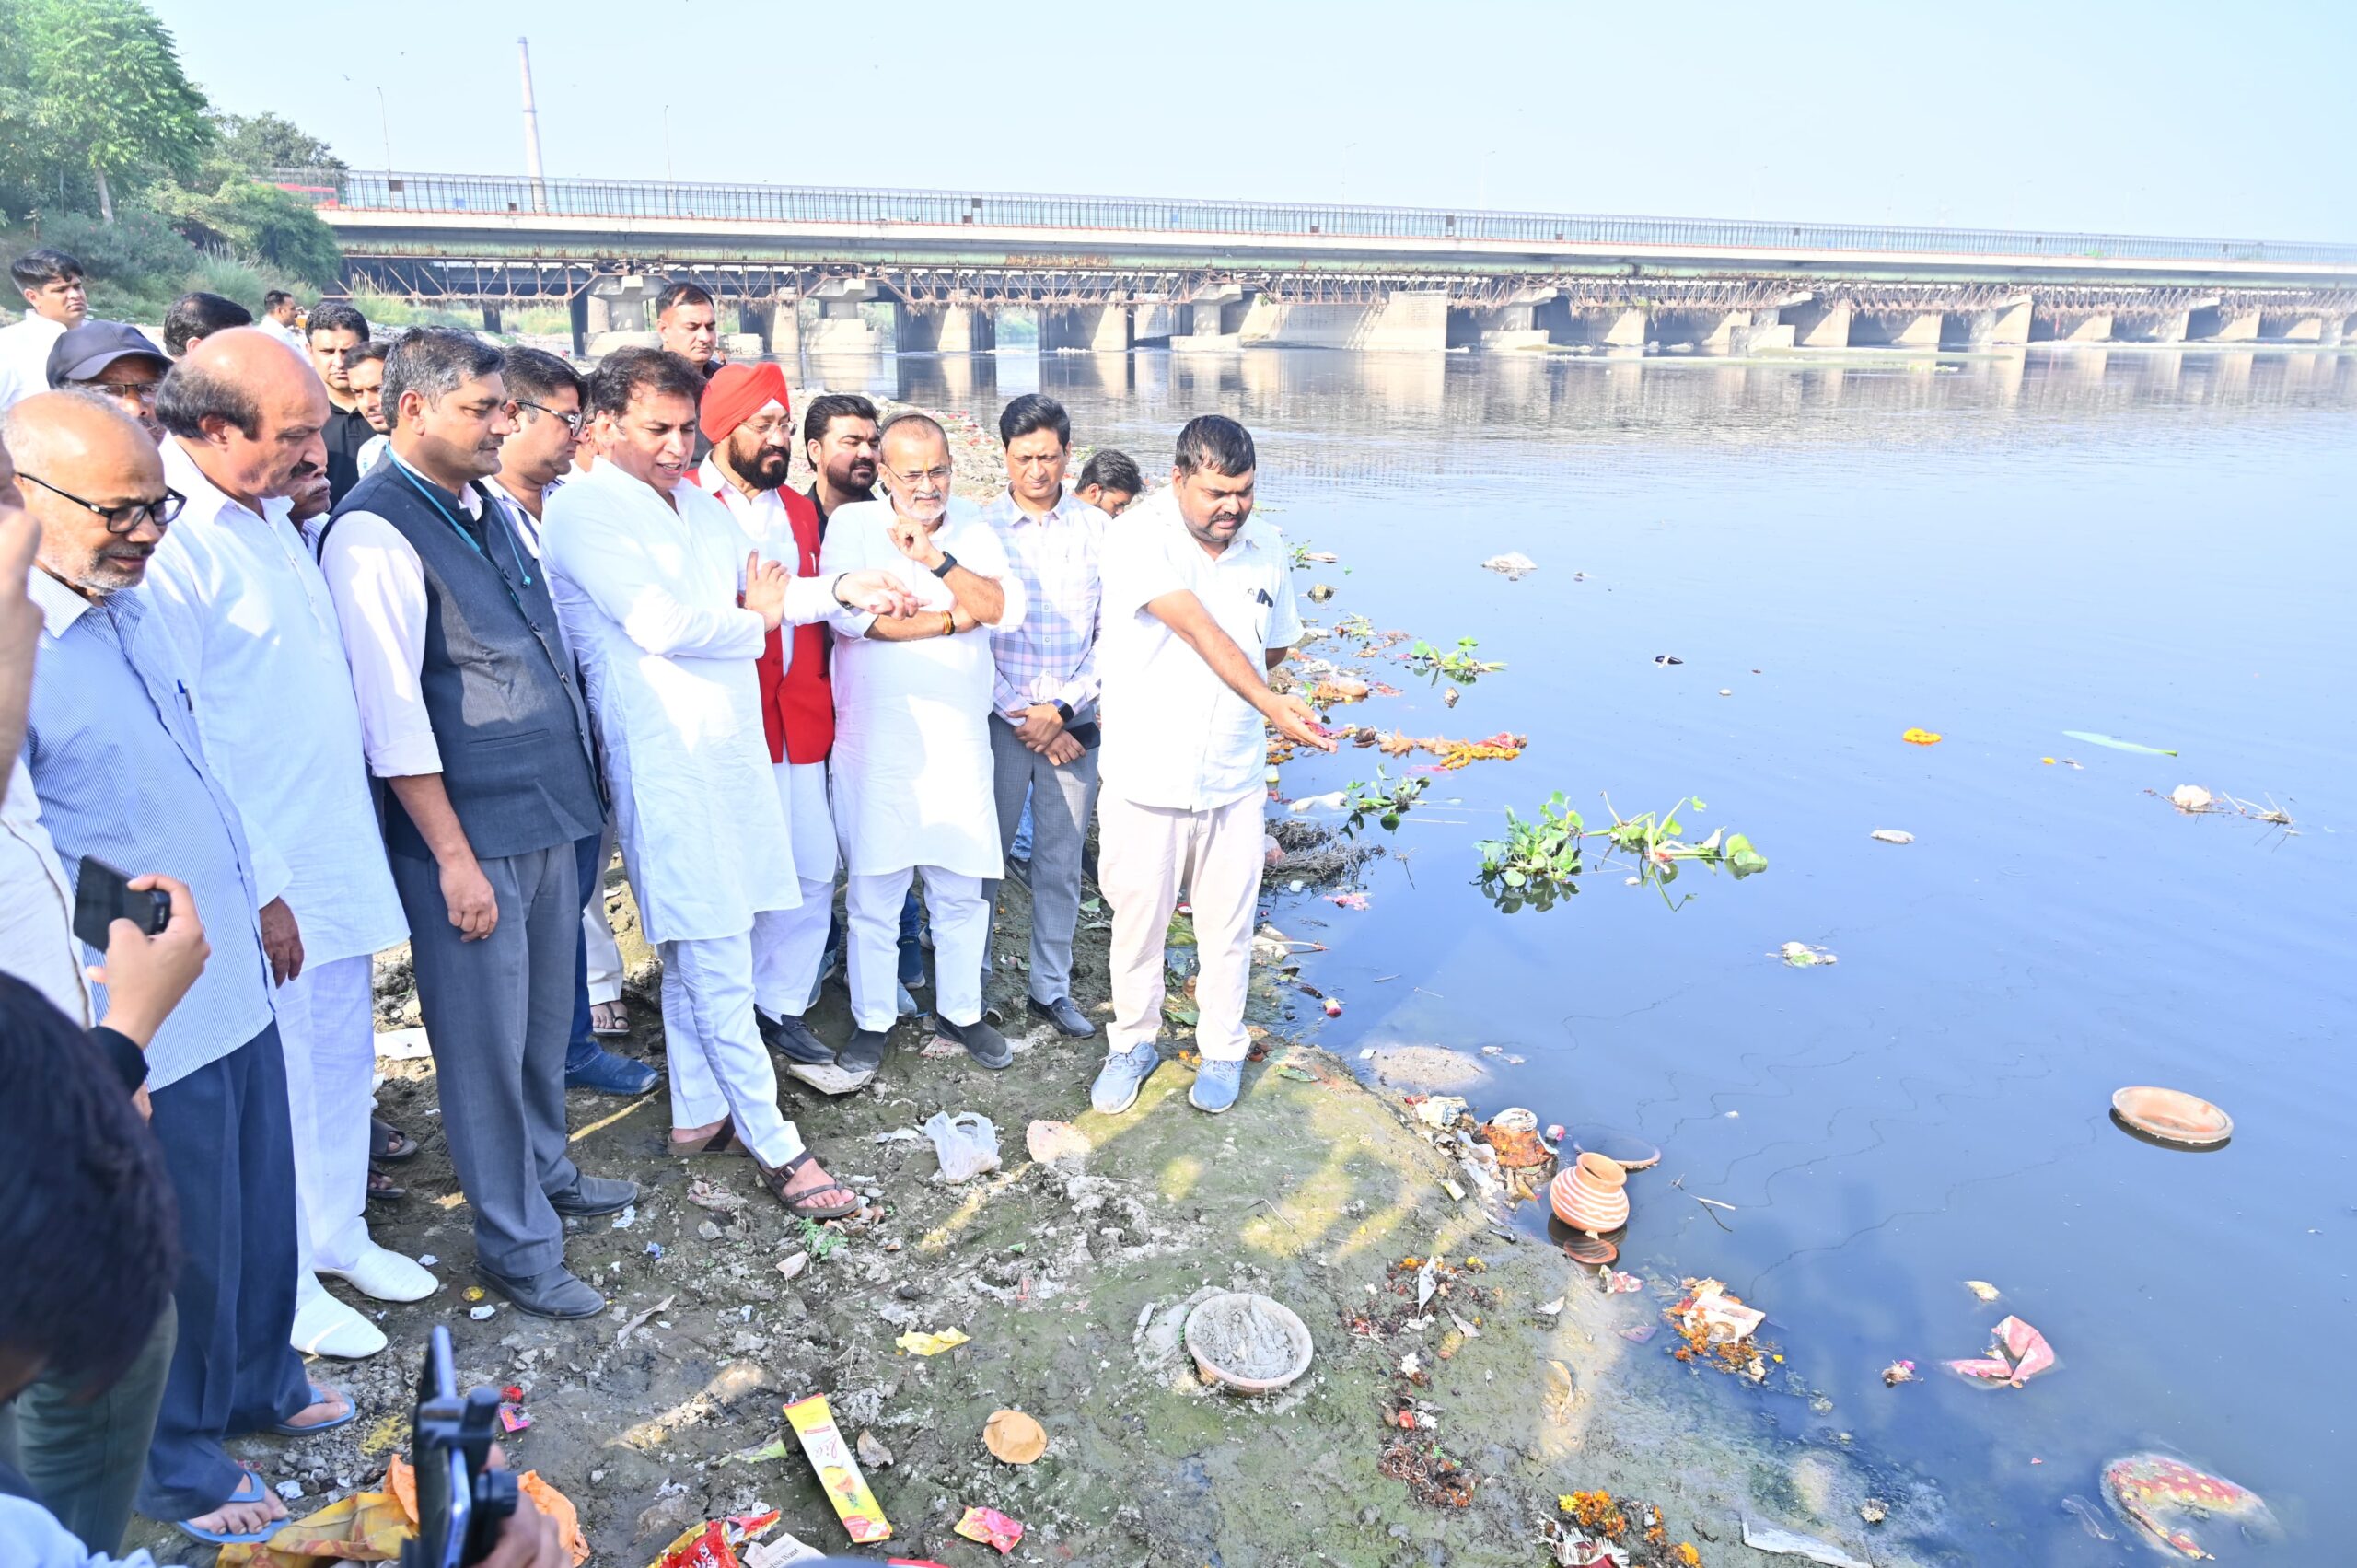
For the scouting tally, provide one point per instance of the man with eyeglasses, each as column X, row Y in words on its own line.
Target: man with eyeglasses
column 235, row 586
column 113, row 748
column 544, row 400
column 118, row 361
column 334, row 331
column 912, row 762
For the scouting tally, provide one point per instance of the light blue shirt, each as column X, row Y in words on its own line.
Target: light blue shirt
column 112, row 748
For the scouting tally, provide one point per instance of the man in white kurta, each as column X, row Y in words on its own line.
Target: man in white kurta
column 645, row 570
column 1198, row 604
column 912, row 769
column 235, row 585
column 745, row 413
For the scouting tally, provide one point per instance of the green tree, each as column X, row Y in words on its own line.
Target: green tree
column 261, row 144
column 259, row 222
column 106, row 90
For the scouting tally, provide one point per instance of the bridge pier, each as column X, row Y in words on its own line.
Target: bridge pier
column 1404, row 320
column 2295, row 326
column 946, row 329
column 1214, row 319
column 1494, row 327
column 2149, row 327
column 774, row 321
column 2222, row 324
column 1710, row 331
column 840, row 325
column 1897, row 329
column 1594, row 326
column 1153, row 321
column 2070, row 324
column 1995, row 326
column 1819, row 323
column 1089, row 328
column 577, row 309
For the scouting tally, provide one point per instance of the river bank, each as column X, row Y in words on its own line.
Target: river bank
column 1070, row 1281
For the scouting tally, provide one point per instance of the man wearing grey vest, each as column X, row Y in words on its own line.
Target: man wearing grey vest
column 471, row 714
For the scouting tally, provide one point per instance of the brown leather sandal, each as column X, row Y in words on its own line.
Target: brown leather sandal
column 812, row 1204
column 721, row 1143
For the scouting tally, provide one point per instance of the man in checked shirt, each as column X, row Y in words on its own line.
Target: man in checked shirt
column 1043, row 701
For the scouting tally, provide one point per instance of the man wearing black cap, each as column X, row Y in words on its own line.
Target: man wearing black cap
column 115, row 360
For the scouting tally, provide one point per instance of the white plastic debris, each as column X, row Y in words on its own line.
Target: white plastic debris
column 966, row 1144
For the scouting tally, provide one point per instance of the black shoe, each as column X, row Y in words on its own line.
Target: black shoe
column 553, row 1292
column 794, row 1040
column 1019, row 869
column 984, row 1043
column 866, row 1052
column 1062, row 1014
column 594, row 1195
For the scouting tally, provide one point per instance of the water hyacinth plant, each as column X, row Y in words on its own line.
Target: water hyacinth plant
column 1542, row 859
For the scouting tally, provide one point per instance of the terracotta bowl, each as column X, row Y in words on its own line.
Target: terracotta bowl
column 2172, row 1116
column 1198, row 1338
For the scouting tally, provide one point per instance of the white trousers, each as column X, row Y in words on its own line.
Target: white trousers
column 788, row 953
column 598, row 943
column 1144, row 855
column 719, row 1066
column 326, row 1024
column 961, row 929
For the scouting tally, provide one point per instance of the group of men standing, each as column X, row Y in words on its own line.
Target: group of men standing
column 380, row 641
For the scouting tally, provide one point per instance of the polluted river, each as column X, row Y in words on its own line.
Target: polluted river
column 1877, row 684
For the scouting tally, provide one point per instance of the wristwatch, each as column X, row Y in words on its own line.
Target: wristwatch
column 948, row 561
column 1063, row 709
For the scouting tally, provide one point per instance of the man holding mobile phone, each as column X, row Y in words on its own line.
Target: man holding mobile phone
column 76, row 1162
column 113, row 749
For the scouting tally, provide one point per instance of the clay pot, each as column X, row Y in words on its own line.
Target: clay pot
column 1589, row 1194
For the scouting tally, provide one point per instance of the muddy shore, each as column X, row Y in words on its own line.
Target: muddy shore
column 1071, row 1281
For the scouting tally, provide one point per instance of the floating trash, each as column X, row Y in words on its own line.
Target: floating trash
column 1247, row 1342
column 2171, row 1117
column 2159, row 1494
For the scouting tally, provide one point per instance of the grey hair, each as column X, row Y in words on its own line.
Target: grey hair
column 191, row 393
column 433, row 362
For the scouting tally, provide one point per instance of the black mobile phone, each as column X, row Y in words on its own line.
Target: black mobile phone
column 461, row 1502
column 103, row 895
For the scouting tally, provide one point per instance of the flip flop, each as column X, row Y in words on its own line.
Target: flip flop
column 246, row 1479
column 388, row 1144
column 391, row 1192
column 351, row 1414
column 608, row 1031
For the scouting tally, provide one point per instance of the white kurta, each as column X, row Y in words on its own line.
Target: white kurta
column 912, row 766
column 648, row 598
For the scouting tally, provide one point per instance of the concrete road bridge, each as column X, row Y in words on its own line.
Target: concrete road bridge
column 805, row 266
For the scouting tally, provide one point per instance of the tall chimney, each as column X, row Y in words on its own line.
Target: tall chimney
column 531, row 125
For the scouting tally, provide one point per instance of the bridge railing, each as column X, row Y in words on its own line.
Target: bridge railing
column 644, row 199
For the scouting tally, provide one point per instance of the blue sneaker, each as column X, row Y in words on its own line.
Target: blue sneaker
column 912, row 963
column 610, row 1074
column 1216, row 1085
column 1123, row 1074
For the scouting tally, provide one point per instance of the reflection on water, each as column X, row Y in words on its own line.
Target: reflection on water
column 2148, row 543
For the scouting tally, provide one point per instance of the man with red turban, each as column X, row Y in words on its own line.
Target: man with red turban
column 748, row 416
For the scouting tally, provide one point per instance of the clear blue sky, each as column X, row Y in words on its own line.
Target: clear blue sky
column 2152, row 118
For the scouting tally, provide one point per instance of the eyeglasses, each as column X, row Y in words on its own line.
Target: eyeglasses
column 123, row 519
column 572, row 422
column 938, row 476
column 143, row 393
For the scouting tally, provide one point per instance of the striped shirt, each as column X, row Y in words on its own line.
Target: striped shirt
column 112, row 748
column 1051, row 655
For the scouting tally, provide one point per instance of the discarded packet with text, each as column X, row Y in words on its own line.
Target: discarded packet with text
column 813, row 1420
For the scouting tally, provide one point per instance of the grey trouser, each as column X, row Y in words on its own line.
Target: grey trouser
column 1060, row 799
column 498, row 1013
column 85, row 1457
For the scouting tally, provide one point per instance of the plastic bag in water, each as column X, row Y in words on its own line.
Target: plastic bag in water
column 966, row 1143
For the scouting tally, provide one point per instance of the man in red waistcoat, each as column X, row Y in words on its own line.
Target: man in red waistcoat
column 748, row 417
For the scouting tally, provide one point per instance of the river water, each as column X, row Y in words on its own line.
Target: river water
column 2152, row 544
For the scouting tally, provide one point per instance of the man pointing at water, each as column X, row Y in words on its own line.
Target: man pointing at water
column 1197, row 602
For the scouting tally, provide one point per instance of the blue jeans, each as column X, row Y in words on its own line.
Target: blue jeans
column 1021, row 848
column 583, row 1048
